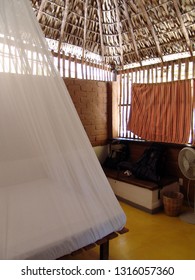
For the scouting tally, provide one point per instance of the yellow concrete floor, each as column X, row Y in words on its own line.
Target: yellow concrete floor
column 150, row 237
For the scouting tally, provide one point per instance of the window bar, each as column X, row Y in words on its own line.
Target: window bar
column 107, row 73
column 193, row 70
column 144, row 75
column 167, row 73
column 179, row 70
column 99, row 71
column 82, row 72
column 31, row 57
column 128, row 103
column 105, row 70
column 86, row 70
column 110, row 75
column 90, row 72
column 9, row 59
column 95, row 71
column 135, row 76
column 172, row 71
column 101, row 77
column 103, row 73
column 63, row 63
column 72, row 69
column 156, row 74
column 69, row 66
column 147, row 75
column 187, row 69
column 190, row 75
column 152, row 69
column 122, row 106
column 75, row 66
column 36, row 63
column 132, row 135
column 140, row 76
column 120, row 109
column 161, row 73
column 59, row 61
column 124, row 101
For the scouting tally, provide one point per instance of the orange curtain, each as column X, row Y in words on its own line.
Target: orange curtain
column 161, row 112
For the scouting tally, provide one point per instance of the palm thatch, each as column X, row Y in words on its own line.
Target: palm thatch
column 121, row 32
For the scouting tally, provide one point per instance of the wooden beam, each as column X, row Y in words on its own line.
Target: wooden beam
column 41, row 9
column 131, row 31
column 119, row 30
column 85, row 28
column 150, row 27
column 183, row 28
column 63, row 24
column 100, row 26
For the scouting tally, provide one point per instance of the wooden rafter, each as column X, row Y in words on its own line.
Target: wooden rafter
column 100, row 26
column 119, row 31
column 41, row 9
column 63, row 24
column 85, row 28
column 131, row 31
column 183, row 28
column 150, row 27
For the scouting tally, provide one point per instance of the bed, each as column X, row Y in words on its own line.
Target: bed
column 54, row 195
column 35, row 223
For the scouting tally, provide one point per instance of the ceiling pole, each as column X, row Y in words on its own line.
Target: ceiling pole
column 183, row 28
column 150, row 27
column 63, row 24
column 41, row 9
column 101, row 31
column 131, row 31
column 119, row 30
column 85, row 28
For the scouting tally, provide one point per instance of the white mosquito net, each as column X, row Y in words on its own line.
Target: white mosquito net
column 54, row 196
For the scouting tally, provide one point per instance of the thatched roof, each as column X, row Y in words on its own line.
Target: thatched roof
column 121, row 32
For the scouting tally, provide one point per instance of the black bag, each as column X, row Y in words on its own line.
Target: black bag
column 118, row 153
column 151, row 164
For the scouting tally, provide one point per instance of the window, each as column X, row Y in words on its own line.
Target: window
column 70, row 64
column 152, row 74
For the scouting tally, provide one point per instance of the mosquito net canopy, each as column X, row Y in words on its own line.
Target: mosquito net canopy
column 54, row 196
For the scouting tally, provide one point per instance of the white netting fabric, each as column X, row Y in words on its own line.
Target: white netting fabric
column 52, row 187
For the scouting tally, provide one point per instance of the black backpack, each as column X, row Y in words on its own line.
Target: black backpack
column 151, row 164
